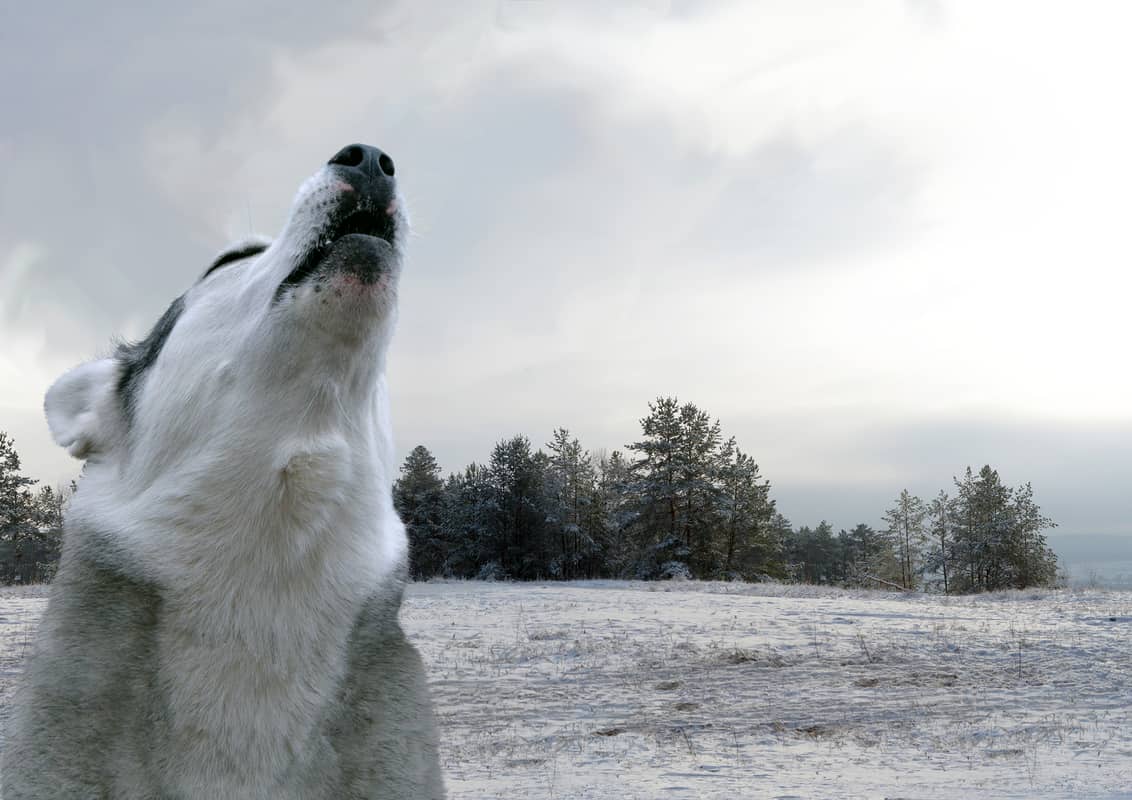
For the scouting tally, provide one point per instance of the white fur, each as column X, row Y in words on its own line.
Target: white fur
column 80, row 409
column 252, row 485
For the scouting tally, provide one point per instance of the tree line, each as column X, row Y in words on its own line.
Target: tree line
column 683, row 500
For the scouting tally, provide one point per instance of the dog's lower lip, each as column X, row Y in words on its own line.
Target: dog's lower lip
column 365, row 237
column 328, row 248
column 361, row 221
column 360, row 255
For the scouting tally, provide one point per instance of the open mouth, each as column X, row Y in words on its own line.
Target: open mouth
column 367, row 221
column 370, row 227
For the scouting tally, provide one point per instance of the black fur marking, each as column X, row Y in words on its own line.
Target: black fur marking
column 227, row 257
column 137, row 357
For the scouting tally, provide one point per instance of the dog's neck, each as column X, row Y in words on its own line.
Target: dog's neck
column 263, row 558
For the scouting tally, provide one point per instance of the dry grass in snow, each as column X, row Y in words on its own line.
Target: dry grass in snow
column 709, row 690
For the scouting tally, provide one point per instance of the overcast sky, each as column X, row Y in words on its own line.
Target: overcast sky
column 879, row 241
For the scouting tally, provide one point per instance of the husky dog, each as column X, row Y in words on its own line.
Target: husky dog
column 224, row 620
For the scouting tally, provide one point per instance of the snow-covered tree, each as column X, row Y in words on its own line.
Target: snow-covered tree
column 418, row 495
column 698, row 468
column 518, row 528
column 18, row 530
column 656, row 478
column 870, row 559
column 813, row 554
column 997, row 536
column 940, row 555
column 570, row 491
column 469, row 513
column 747, row 540
column 612, row 513
column 905, row 523
column 1032, row 562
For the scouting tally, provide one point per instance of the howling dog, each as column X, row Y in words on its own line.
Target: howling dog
column 224, row 620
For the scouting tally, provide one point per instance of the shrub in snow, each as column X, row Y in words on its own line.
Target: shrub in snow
column 491, row 571
column 675, row 571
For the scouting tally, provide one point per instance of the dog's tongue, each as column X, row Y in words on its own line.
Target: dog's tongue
column 358, row 254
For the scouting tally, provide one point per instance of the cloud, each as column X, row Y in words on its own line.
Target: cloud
column 86, row 88
column 815, row 226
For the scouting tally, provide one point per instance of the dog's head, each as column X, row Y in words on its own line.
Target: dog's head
column 274, row 338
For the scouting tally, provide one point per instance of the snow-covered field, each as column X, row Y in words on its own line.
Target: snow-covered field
column 710, row 690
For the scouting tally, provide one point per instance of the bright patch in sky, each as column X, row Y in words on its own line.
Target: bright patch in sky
column 880, row 241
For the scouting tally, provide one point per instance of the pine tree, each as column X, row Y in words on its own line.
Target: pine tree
column 698, row 466
column 678, row 485
column 516, row 477
column 870, row 557
column 981, row 532
column 747, row 541
column 906, row 525
column 570, row 485
column 18, row 531
column 813, row 554
column 780, row 533
column 655, row 485
column 996, row 536
column 941, row 524
column 419, row 498
column 1033, row 563
column 466, row 528
column 612, row 513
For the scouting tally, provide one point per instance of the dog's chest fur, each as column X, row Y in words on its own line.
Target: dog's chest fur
column 253, row 630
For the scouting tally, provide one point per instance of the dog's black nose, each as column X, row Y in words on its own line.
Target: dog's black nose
column 368, row 160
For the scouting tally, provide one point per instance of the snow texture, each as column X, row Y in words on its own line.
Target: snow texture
column 683, row 690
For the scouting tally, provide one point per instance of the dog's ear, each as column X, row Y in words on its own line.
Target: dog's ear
column 82, row 410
